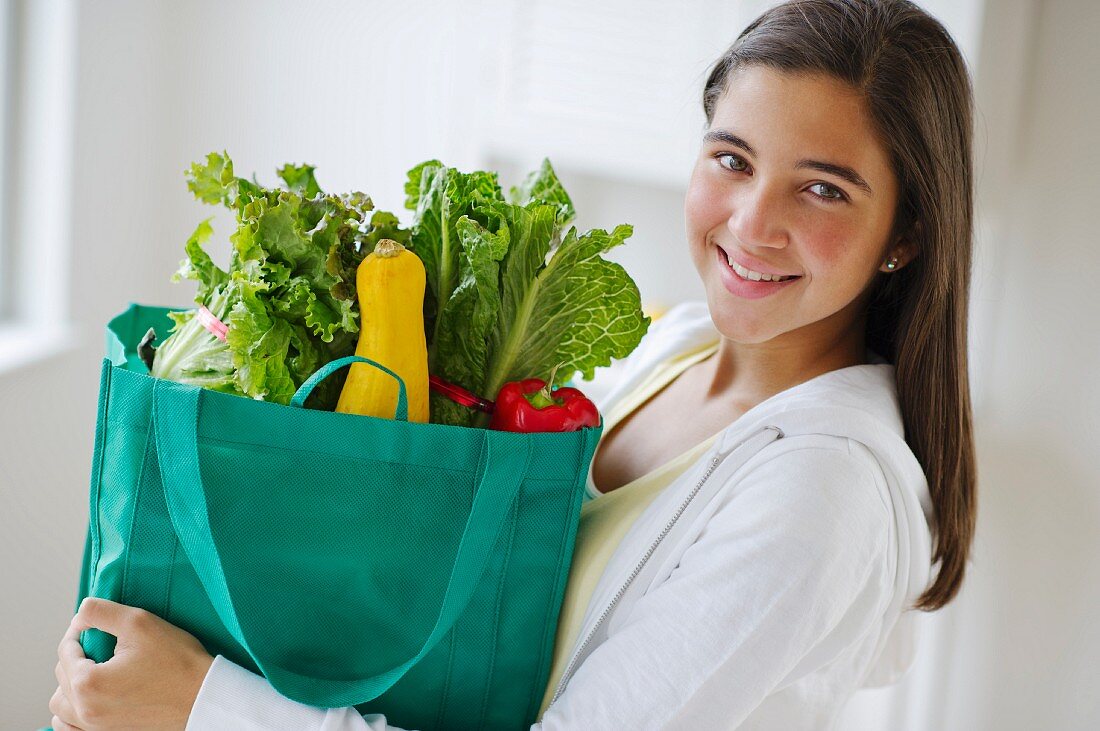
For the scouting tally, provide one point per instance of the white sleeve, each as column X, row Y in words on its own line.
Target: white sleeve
column 232, row 697
column 789, row 571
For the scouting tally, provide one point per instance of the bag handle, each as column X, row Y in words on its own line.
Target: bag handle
column 500, row 473
column 303, row 392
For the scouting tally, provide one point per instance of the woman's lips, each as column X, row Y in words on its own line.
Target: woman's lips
column 746, row 288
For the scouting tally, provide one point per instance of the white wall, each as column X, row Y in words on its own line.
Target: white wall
column 366, row 90
column 1038, row 555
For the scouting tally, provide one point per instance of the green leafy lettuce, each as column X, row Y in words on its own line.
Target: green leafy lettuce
column 512, row 292
column 288, row 297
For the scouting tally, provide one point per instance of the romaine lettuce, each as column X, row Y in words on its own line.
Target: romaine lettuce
column 511, row 292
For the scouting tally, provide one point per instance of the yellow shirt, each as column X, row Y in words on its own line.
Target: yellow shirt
column 606, row 517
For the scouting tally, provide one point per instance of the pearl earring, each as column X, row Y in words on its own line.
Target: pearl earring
column 892, row 263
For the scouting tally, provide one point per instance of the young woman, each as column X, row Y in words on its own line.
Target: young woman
column 819, row 427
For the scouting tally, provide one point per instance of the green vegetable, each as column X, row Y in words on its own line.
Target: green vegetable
column 511, row 292
column 288, row 297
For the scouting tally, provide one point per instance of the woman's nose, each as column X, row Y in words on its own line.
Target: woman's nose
column 757, row 216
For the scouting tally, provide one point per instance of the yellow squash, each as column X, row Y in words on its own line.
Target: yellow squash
column 390, row 283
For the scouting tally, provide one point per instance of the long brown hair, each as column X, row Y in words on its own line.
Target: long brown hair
column 919, row 96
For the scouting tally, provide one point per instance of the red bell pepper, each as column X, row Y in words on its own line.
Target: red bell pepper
column 529, row 406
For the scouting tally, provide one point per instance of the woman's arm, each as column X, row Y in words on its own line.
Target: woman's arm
column 162, row 679
column 786, row 574
column 232, row 697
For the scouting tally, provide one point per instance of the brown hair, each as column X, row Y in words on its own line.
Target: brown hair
column 920, row 100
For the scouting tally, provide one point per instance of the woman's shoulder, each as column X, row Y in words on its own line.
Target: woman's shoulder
column 833, row 473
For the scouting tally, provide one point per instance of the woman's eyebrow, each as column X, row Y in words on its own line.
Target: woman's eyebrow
column 832, row 168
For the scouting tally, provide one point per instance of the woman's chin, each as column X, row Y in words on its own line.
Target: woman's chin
column 732, row 324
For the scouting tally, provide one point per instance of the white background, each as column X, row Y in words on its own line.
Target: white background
column 132, row 91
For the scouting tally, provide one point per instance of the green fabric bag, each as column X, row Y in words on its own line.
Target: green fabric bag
column 415, row 570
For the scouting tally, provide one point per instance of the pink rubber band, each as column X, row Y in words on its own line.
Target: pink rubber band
column 208, row 320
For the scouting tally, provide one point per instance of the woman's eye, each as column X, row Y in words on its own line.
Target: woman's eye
column 833, row 195
column 727, row 156
column 737, row 164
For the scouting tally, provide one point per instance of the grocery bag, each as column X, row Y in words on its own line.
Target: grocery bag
column 410, row 569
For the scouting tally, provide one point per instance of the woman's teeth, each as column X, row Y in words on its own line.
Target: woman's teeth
column 753, row 276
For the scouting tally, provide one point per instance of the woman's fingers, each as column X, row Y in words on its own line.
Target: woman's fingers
column 70, row 656
column 70, row 651
column 62, row 679
column 59, row 725
column 61, row 708
column 106, row 615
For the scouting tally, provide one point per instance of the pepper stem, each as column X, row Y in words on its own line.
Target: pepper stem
column 545, row 392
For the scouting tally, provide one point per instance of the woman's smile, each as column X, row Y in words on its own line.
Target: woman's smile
column 746, row 288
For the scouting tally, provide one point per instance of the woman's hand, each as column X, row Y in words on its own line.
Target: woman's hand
column 150, row 683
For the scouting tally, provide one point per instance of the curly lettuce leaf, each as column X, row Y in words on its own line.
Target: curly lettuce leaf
column 343, row 261
column 300, row 179
column 288, row 296
column 191, row 353
column 199, row 266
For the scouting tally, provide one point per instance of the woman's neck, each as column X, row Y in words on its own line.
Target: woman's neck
column 751, row 373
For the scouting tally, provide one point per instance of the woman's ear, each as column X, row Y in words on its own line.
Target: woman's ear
column 903, row 251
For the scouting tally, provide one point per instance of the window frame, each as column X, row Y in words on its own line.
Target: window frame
column 39, row 74
column 8, row 56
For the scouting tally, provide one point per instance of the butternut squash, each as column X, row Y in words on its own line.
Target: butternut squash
column 390, row 282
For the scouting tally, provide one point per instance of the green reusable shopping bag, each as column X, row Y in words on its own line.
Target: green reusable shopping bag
column 410, row 569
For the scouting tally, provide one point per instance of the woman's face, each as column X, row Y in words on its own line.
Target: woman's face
column 756, row 200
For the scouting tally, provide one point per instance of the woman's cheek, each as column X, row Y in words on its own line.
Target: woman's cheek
column 705, row 201
column 830, row 250
column 698, row 224
column 706, row 225
column 838, row 276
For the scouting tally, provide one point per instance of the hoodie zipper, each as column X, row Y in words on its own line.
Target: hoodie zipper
column 571, row 668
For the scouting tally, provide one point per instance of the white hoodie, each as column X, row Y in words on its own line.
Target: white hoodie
column 784, row 586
